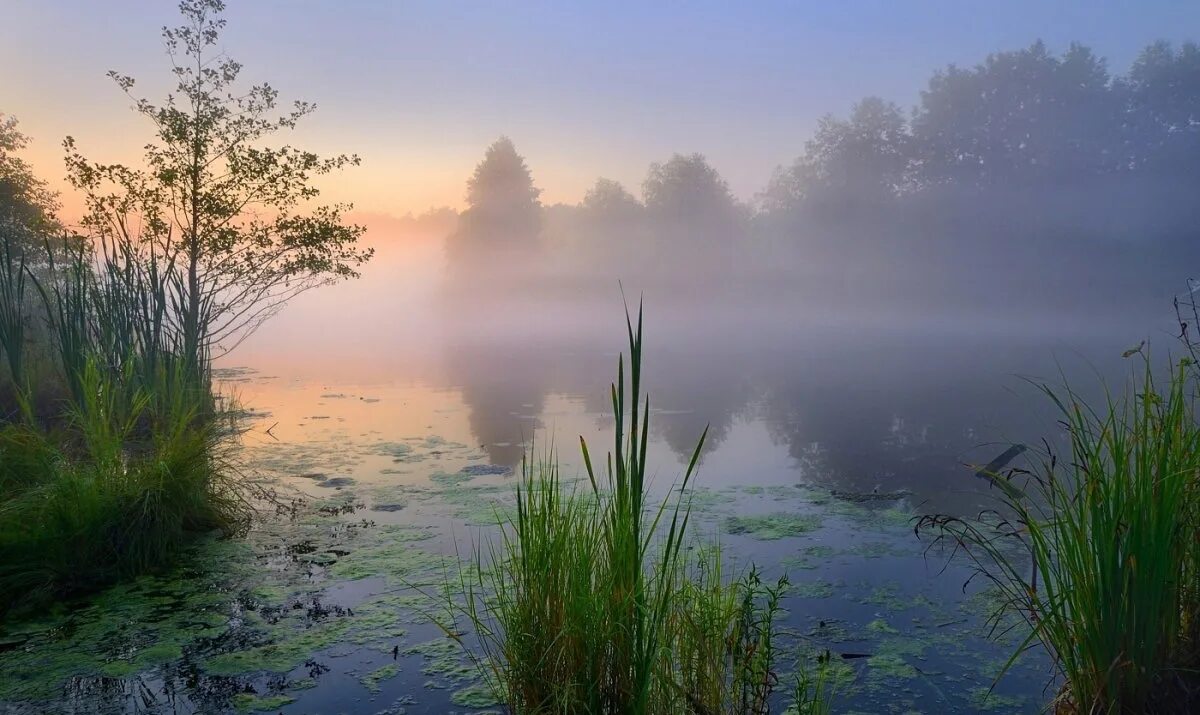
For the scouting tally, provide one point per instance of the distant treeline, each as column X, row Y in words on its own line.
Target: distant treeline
column 1029, row 176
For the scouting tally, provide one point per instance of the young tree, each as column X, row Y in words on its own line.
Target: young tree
column 227, row 222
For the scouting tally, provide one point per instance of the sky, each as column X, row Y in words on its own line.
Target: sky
column 419, row 89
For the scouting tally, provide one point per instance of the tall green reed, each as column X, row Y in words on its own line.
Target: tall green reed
column 1098, row 552
column 586, row 603
column 13, row 314
column 641, row 597
column 65, row 291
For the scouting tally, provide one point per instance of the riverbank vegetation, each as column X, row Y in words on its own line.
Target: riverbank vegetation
column 596, row 600
column 113, row 446
column 1097, row 549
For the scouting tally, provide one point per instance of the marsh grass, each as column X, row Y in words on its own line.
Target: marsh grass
column 93, row 504
column 114, row 460
column 587, row 600
column 13, row 318
column 1098, row 552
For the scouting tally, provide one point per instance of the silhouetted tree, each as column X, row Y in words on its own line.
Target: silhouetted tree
column 691, row 211
column 503, row 209
column 222, row 216
column 1163, row 94
column 608, row 201
column 687, row 189
column 855, row 162
column 1019, row 118
column 611, row 228
column 27, row 205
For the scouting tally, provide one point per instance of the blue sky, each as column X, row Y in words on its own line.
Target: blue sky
column 584, row 89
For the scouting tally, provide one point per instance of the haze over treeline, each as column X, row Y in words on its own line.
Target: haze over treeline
column 1032, row 179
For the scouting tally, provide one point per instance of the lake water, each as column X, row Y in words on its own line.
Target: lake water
column 386, row 437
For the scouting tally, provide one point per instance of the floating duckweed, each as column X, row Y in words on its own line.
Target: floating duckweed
column 793, row 562
column 773, row 526
column 832, row 631
column 985, row 699
column 781, row 492
column 398, row 451
column 444, row 658
column 891, row 659
column 479, row 470
column 283, row 650
column 445, row 479
column 389, row 550
column 895, row 516
column 887, row 596
column 480, row 695
column 880, row 625
column 479, row 504
column 248, row 702
column 811, row 589
column 874, row 549
column 371, row 680
column 890, row 665
column 704, row 500
column 130, row 628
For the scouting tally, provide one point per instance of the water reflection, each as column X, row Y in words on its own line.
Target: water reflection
column 504, row 387
column 854, row 413
column 492, row 352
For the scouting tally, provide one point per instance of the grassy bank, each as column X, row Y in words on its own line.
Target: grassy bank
column 112, row 453
column 1098, row 548
column 588, row 600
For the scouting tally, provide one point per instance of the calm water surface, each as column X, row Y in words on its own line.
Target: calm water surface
column 389, row 457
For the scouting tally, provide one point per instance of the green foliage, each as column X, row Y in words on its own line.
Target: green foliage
column 1111, row 535
column 97, row 505
column 586, row 604
column 215, row 217
column 814, row 687
column 721, row 653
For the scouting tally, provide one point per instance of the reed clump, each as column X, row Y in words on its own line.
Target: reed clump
column 113, row 454
column 1098, row 551
column 587, row 601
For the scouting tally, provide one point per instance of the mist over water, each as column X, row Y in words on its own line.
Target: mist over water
column 856, row 389
column 858, row 340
